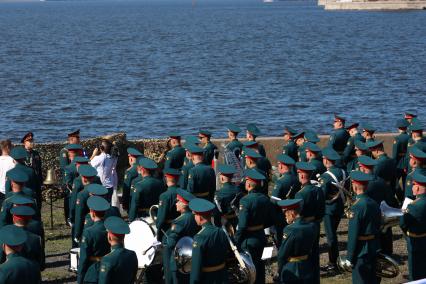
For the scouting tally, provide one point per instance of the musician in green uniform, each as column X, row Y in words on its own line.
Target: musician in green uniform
column 17, row 268
column 176, row 156
column 33, row 161
column 313, row 156
column 182, row 226
column 70, row 174
column 255, row 213
column 399, row 152
column 87, row 174
column 94, row 242
column 252, row 160
column 386, row 167
column 201, row 178
column 410, row 117
column 289, row 147
column 120, row 265
column 413, row 224
column 210, row 247
column 187, row 163
column 379, row 191
column 360, row 150
column 364, row 227
column 167, row 202
column 251, row 134
column 234, row 145
column 339, row 138
column 299, row 140
column 332, row 184
column 147, row 191
column 313, row 208
column 368, row 132
column 285, row 187
column 349, row 152
column 227, row 195
column 299, row 236
column 417, row 162
column 208, row 146
column 130, row 174
column 33, row 247
column 19, row 154
column 73, row 138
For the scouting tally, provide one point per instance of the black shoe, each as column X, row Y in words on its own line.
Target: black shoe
column 331, row 267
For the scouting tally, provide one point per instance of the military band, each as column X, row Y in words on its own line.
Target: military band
column 312, row 187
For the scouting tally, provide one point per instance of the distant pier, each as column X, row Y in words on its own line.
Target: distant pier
column 373, row 5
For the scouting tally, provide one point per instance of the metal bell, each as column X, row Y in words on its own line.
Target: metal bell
column 50, row 178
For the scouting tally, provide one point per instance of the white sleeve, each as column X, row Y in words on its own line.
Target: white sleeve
column 97, row 161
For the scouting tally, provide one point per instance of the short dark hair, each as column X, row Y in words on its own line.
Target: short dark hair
column 106, row 146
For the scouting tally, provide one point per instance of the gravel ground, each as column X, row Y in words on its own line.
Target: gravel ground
column 58, row 244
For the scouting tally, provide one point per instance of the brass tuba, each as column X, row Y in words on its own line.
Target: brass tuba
column 386, row 266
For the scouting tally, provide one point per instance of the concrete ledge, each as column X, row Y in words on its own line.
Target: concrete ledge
column 374, row 5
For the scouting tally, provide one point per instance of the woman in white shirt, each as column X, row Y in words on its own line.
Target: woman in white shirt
column 6, row 163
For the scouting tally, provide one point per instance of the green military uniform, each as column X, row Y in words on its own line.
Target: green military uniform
column 349, row 151
column 209, row 148
column 413, row 224
column 333, row 203
column 146, row 193
column 120, row 265
column 235, row 145
column 227, row 195
column 317, row 161
column 363, row 231
column 94, row 244
column 386, row 167
column 298, row 240
column 187, row 163
column 255, row 213
column 19, row 198
column 81, row 208
column 19, row 154
column 290, row 147
column 167, row 205
column 33, row 161
column 17, row 268
column 254, row 155
column 182, row 226
column 130, row 174
column 63, row 154
column 399, row 151
column 252, row 128
column 339, row 138
column 34, row 245
column 287, row 185
column 420, row 144
column 201, row 178
column 176, row 156
column 313, row 210
column 111, row 212
column 352, row 165
column 209, row 249
column 369, row 129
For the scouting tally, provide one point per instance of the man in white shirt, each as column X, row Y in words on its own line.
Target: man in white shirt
column 6, row 163
column 105, row 164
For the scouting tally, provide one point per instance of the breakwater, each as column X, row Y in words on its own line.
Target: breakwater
column 153, row 148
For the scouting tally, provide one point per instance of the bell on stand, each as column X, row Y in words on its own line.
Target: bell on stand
column 50, row 181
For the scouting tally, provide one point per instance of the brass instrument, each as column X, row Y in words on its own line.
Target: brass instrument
column 183, row 254
column 386, row 266
column 232, row 158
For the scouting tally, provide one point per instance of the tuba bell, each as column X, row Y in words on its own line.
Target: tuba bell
column 183, row 254
column 390, row 216
column 386, row 266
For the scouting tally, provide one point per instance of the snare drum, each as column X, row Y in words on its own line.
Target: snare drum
column 74, row 259
column 141, row 240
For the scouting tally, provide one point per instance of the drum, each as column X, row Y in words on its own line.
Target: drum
column 143, row 242
column 74, row 259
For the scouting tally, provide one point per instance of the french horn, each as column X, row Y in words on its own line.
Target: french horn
column 386, row 266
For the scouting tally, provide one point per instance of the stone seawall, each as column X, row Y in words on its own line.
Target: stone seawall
column 154, row 147
column 373, row 5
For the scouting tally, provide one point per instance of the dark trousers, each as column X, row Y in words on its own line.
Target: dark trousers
column 67, row 198
column 256, row 255
column 386, row 242
column 109, row 194
column 364, row 271
column 331, row 222
column 153, row 274
column 2, row 198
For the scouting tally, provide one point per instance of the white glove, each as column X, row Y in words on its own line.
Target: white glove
column 347, row 263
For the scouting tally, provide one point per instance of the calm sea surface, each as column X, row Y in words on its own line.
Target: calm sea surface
column 148, row 68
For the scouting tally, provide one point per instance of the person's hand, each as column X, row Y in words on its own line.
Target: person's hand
column 95, row 151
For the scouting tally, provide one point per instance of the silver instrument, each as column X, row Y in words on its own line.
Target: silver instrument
column 74, row 259
column 183, row 254
column 231, row 158
column 386, row 266
column 390, row 216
